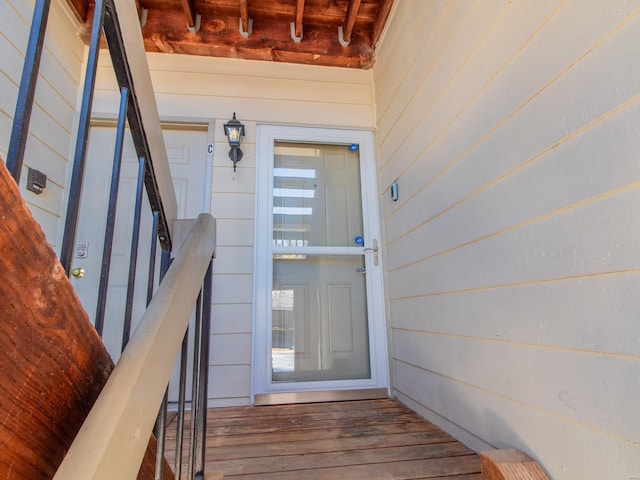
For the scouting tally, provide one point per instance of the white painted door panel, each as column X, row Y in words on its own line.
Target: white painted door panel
column 187, row 155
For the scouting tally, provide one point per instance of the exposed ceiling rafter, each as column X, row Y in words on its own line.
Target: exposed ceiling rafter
column 381, row 19
column 246, row 23
column 269, row 30
column 193, row 20
column 299, row 16
column 346, row 29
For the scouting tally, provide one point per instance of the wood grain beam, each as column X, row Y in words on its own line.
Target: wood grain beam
column 190, row 12
column 270, row 41
column 350, row 20
column 53, row 363
column 244, row 15
column 299, row 15
column 510, row 465
column 274, row 26
column 80, row 9
column 316, row 12
column 380, row 20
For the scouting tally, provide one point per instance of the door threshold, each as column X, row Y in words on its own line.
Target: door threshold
column 284, row 398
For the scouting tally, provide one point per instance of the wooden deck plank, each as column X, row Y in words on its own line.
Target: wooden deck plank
column 262, row 449
column 350, row 407
column 379, row 439
column 403, row 470
column 337, row 458
column 327, row 434
column 286, row 424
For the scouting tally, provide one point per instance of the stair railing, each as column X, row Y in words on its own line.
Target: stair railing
column 139, row 382
column 113, row 439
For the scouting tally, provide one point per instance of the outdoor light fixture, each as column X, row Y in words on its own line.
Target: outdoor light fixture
column 234, row 131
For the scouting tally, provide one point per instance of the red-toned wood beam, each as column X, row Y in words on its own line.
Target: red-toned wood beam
column 218, row 37
column 190, row 12
column 79, row 8
column 350, row 20
column 53, row 363
column 299, row 15
column 244, row 15
column 509, row 465
column 381, row 18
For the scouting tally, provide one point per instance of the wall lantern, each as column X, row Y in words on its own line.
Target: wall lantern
column 234, row 131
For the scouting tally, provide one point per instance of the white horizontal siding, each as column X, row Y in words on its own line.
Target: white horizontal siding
column 200, row 87
column 512, row 253
column 210, row 90
column 55, row 100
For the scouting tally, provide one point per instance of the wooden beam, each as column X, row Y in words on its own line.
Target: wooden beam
column 190, row 12
column 350, row 20
column 316, row 12
column 381, row 19
column 509, row 465
column 80, row 9
column 244, row 15
column 299, row 15
column 53, row 363
column 270, row 41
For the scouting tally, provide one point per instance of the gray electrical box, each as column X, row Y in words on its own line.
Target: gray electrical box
column 36, row 181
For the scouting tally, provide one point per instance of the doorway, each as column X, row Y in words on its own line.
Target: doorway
column 319, row 311
column 186, row 146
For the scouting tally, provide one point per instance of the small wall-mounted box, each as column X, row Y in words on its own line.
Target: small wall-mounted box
column 394, row 191
column 36, row 181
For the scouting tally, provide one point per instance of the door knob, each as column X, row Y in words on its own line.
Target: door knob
column 78, row 272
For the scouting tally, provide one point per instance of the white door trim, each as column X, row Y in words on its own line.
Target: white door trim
column 263, row 270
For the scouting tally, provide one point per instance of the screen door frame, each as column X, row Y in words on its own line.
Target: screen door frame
column 261, row 364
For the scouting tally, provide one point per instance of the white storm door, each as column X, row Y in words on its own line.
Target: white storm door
column 319, row 318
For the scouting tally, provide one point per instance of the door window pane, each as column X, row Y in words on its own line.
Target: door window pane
column 319, row 322
column 316, row 195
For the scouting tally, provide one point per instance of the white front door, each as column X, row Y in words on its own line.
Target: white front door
column 187, row 154
column 319, row 311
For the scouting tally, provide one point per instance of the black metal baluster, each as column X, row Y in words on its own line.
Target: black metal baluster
column 133, row 258
column 75, row 188
column 152, row 256
column 26, row 94
column 111, row 212
column 201, row 424
column 161, row 421
column 181, row 404
column 194, row 441
column 160, row 432
column 122, row 70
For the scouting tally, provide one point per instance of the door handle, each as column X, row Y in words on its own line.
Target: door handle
column 373, row 249
column 78, row 272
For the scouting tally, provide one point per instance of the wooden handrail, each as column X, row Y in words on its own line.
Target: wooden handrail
column 141, row 78
column 113, row 438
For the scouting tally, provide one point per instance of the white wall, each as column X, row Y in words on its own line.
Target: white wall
column 207, row 89
column 55, row 101
column 512, row 255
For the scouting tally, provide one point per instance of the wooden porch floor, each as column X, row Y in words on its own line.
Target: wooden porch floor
column 380, row 439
